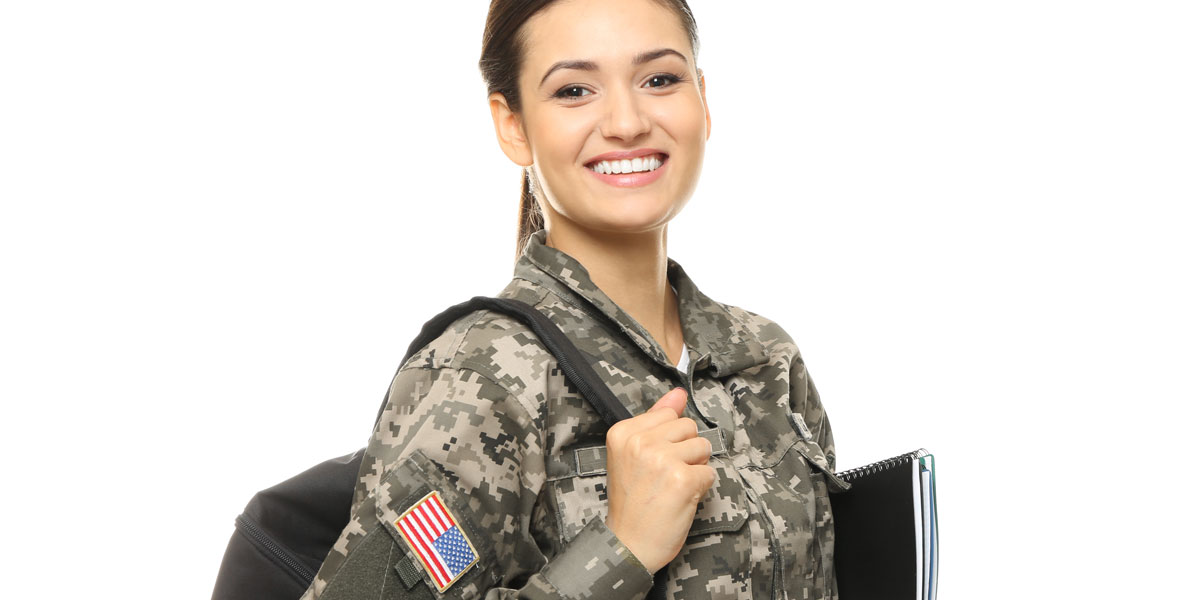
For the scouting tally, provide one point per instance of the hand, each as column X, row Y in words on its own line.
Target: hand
column 657, row 473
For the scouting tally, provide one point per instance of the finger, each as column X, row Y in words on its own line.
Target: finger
column 698, row 479
column 675, row 400
column 710, row 476
column 656, row 416
column 695, row 451
column 676, row 430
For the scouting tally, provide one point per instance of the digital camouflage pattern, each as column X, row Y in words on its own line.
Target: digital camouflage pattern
column 483, row 415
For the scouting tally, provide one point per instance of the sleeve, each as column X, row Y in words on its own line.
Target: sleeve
column 445, row 505
column 807, row 407
column 810, row 417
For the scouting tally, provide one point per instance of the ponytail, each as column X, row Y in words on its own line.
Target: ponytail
column 529, row 218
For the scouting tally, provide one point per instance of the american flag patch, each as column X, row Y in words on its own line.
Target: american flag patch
column 435, row 537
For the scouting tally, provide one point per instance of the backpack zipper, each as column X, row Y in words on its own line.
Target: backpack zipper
column 267, row 543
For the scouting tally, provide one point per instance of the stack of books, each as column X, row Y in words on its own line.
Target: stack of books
column 885, row 530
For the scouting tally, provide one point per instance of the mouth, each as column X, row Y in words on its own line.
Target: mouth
column 642, row 164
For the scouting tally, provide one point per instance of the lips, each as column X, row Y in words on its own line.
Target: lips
column 642, row 164
column 629, row 172
column 626, row 155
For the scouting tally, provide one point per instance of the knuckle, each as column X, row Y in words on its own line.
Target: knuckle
column 659, row 462
column 616, row 434
column 638, row 444
column 679, row 479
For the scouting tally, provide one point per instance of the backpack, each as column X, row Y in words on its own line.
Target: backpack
column 285, row 532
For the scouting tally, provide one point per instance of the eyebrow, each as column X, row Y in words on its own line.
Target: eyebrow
column 587, row 65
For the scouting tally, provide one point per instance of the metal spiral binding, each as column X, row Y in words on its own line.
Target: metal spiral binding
column 883, row 465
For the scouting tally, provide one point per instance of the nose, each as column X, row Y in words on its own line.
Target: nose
column 625, row 118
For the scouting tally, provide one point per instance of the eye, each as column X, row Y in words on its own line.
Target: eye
column 571, row 91
column 666, row 78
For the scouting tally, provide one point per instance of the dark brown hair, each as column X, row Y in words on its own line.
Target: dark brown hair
column 500, row 63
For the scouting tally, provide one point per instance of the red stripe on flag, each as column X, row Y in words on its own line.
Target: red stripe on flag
column 429, row 519
column 426, row 554
column 419, row 545
column 425, row 529
column 443, row 521
column 445, row 512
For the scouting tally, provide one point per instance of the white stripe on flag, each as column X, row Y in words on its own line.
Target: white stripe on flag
column 430, row 528
column 434, row 522
column 439, row 570
column 427, row 561
column 436, row 508
column 426, row 551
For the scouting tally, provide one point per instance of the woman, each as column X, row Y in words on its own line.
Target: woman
column 487, row 475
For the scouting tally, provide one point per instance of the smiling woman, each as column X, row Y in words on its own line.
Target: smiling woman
column 487, row 474
column 594, row 80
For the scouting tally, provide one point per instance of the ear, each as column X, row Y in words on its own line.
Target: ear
column 704, row 99
column 509, row 131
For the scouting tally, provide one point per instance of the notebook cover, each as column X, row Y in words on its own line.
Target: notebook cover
column 874, row 550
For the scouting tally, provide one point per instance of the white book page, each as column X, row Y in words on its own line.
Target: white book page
column 918, row 533
column 927, row 526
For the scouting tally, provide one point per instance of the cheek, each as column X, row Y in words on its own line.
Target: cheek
column 684, row 121
column 559, row 148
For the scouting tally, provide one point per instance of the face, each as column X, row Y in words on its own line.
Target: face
column 611, row 79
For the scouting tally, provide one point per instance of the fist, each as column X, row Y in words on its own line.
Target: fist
column 657, row 473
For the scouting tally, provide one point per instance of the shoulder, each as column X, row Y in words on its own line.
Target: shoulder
column 477, row 382
column 491, row 346
column 766, row 331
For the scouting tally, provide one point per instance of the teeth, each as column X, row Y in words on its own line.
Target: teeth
column 636, row 165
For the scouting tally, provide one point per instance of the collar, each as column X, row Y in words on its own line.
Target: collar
column 721, row 341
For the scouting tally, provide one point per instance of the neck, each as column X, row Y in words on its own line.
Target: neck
column 631, row 269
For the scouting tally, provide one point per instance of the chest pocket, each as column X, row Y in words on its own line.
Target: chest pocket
column 582, row 494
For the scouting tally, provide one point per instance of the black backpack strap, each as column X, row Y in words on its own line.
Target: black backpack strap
column 570, row 359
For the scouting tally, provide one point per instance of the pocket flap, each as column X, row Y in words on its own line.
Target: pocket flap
column 813, row 454
column 724, row 507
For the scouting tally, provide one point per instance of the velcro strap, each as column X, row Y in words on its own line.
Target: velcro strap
column 594, row 460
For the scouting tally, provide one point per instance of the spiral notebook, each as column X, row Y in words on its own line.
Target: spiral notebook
column 885, row 530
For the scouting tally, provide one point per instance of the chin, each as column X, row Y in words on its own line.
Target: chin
column 620, row 211
column 628, row 221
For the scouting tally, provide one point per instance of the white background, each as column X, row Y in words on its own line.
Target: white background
column 223, row 222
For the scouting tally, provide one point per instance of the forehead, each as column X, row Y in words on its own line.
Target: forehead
column 605, row 31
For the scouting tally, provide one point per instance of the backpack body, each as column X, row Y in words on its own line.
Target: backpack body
column 285, row 531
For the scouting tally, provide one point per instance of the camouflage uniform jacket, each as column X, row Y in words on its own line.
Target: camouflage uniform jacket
column 484, row 417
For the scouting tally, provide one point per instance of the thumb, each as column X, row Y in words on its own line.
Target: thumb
column 675, row 400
